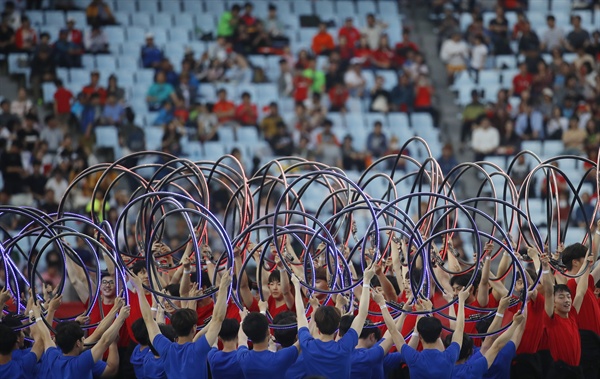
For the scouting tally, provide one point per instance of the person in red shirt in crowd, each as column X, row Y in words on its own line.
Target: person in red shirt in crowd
column 402, row 48
column 276, row 287
column 302, row 61
column 248, row 19
column 322, row 42
column 423, row 98
column 588, row 316
column 345, row 50
column 350, row 32
column 561, row 321
column 26, row 36
column 301, row 86
column 363, row 51
column 246, row 113
column 223, row 108
column 522, row 81
column 62, row 102
column 338, row 95
column 94, row 87
column 74, row 35
column 384, row 57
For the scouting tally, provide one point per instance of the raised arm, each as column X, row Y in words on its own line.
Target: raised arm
column 496, row 324
column 463, row 295
column 112, row 362
column 77, row 277
column 300, row 315
column 285, row 283
column 184, row 285
column 106, row 322
column 548, row 285
column 396, row 337
column 112, row 333
column 493, row 351
column 242, row 338
column 53, row 305
column 582, row 284
column 388, row 289
column 363, row 307
column 43, row 341
column 483, row 292
column 151, row 324
column 214, row 327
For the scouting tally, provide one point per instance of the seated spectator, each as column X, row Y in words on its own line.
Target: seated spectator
column 380, row 97
column 328, row 149
column 322, row 42
column 228, row 22
column 333, row 75
column 66, row 53
column 529, row 124
column 479, row 52
column 373, row 31
column 94, row 87
column 316, row 76
column 454, row 53
column 7, row 36
column 113, row 89
column 62, row 103
column 447, row 160
column 519, row 26
column 159, row 92
column 363, row 52
column 424, row 98
column 529, row 44
column 302, row 86
column 582, row 58
column 75, row 36
column 402, row 48
column 275, row 28
column 556, row 125
column 246, row 113
column 25, row 36
column 188, row 88
column 240, row 72
column 377, row 143
column 171, row 76
column 28, row 135
column 338, row 95
column 282, row 144
column 261, row 42
column 383, row 57
column 224, row 109
column 348, row 31
column 51, row 133
column 403, row 94
column 165, row 114
column 99, row 13
column 578, row 37
column 36, row 181
column 315, row 109
column 220, row 50
column 351, row 158
column 472, row 112
column 584, row 213
column 13, row 14
column 43, row 69
column 171, row 140
column 22, row 105
column 268, row 125
column 475, row 29
column 354, row 79
column 248, row 19
column 485, row 138
column 522, row 81
column 96, row 42
column 285, row 82
column 11, row 166
column 207, row 124
column 152, row 56
column 113, row 112
column 574, row 138
column 553, row 37
column 92, row 111
column 498, row 28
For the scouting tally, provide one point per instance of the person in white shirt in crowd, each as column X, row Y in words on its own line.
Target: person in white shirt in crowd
column 479, row 53
column 485, row 138
column 373, row 31
column 58, row 184
column 285, row 82
column 454, row 53
column 22, row 104
column 553, row 37
column 96, row 41
column 354, row 79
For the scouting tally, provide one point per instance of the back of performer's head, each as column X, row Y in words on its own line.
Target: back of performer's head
column 229, row 329
column 140, row 332
column 466, row 349
column 288, row 336
column 68, row 333
column 256, row 327
column 573, row 252
column 183, row 320
column 168, row 332
column 327, row 319
column 345, row 324
column 8, row 340
column 429, row 329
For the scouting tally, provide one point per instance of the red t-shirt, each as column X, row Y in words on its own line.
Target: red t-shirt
column 245, row 117
column 301, row 87
column 62, row 98
column 588, row 317
column 96, row 316
column 338, row 98
column 532, row 335
column 352, row 35
column 234, row 312
column 365, row 53
column 563, row 338
column 89, row 91
column 384, row 56
column 76, row 37
column 223, row 106
column 422, row 97
column 136, row 312
column 273, row 309
column 521, row 83
column 204, row 312
column 182, row 113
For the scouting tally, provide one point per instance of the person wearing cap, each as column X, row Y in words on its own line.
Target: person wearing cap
column 99, row 13
column 350, row 32
column 152, row 56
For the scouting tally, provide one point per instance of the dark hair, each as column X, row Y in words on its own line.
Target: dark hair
column 173, row 289
column 394, row 282
column 559, row 288
column 464, row 279
column 183, row 320
column 229, row 329
column 138, row 266
column 466, row 349
column 327, row 319
column 235, row 7
column 571, row 252
column 168, row 331
column 285, row 337
column 275, row 276
column 204, row 277
column 429, row 329
column 67, row 335
column 550, row 18
column 598, row 284
column 256, row 327
column 140, row 332
column 345, row 324
column 246, row 94
column 368, row 329
column 8, row 339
